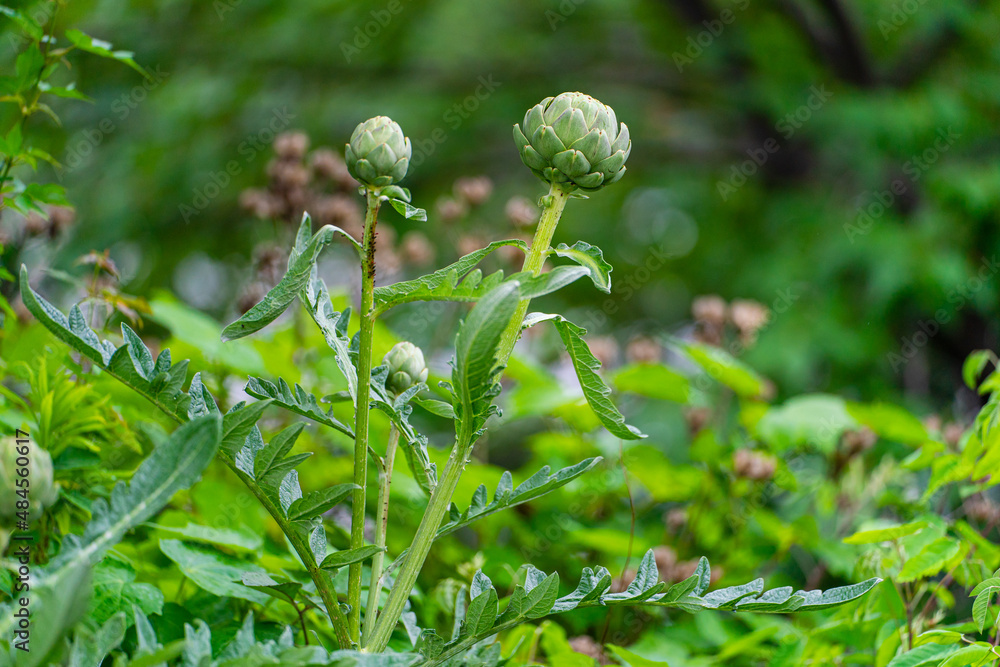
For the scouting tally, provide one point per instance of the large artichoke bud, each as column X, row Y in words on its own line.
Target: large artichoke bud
column 406, row 367
column 574, row 140
column 378, row 154
column 42, row 490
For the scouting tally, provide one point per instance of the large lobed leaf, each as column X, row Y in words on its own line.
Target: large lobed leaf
column 301, row 262
column 539, row 596
column 296, row 400
column 173, row 465
column 506, row 496
column 267, row 469
column 455, row 282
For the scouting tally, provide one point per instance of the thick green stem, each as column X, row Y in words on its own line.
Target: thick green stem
column 533, row 262
column 362, row 411
column 421, row 546
column 440, row 499
column 381, row 529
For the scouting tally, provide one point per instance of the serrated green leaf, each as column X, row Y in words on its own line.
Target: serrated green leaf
column 296, row 400
column 408, row 211
column 89, row 649
column 597, row 393
column 173, row 465
column 483, row 608
column 301, row 263
column 446, row 284
column 540, row 599
column 333, row 325
column 475, row 368
column 981, row 606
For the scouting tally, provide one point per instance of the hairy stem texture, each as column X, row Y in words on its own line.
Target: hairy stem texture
column 362, row 411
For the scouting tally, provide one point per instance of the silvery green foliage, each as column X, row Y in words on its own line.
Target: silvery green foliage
column 378, row 154
column 573, row 140
column 62, row 585
column 484, row 616
column 268, row 469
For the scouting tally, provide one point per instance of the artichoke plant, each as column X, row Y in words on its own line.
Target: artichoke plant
column 43, row 491
column 378, row 154
column 406, row 367
column 573, row 140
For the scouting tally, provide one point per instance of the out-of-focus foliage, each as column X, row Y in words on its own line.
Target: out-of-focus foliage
column 869, row 224
column 828, row 168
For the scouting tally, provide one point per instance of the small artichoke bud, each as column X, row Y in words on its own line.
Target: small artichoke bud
column 42, row 492
column 574, row 140
column 378, row 154
column 406, row 367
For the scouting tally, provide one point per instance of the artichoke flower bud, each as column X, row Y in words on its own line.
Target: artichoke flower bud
column 573, row 140
column 378, row 154
column 406, row 367
column 42, row 492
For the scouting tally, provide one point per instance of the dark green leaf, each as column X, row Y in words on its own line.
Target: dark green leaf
column 296, row 400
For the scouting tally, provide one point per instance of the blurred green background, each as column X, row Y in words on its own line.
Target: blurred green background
column 835, row 160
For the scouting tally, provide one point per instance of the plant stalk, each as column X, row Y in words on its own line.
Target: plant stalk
column 533, row 262
column 362, row 410
column 440, row 499
column 381, row 529
column 423, row 539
